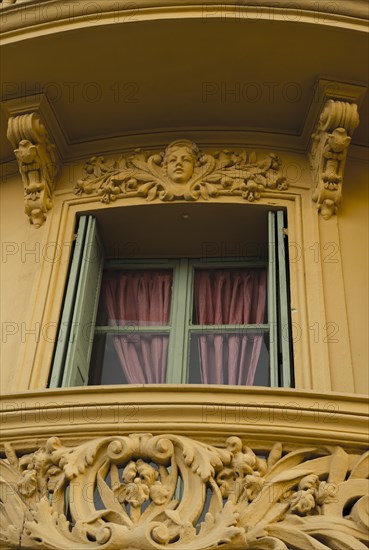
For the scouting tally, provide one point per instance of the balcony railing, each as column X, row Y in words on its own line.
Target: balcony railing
column 183, row 468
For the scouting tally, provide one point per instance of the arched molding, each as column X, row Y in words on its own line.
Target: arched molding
column 63, row 15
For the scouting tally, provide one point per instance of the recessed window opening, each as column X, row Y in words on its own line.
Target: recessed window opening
column 208, row 307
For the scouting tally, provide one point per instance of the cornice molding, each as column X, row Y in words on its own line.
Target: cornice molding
column 123, row 492
column 70, row 14
column 33, row 132
column 330, row 141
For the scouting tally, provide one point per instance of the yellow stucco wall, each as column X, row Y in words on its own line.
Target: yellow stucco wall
column 354, row 231
column 22, row 253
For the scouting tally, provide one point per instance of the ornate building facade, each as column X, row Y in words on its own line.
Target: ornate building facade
column 184, row 269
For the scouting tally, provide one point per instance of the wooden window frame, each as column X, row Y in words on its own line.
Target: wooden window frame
column 71, row 368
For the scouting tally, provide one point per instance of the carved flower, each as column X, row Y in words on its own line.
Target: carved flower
column 136, row 493
column 28, row 484
column 326, row 492
column 27, row 153
column 159, row 493
column 141, row 483
column 309, row 482
column 302, row 502
column 312, row 492
column 245, row 476
column 41, row 472
column 146, row 472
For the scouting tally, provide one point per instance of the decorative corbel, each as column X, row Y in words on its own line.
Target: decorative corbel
column 38, row 163
column 330, row 143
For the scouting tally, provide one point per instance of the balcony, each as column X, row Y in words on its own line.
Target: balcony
column 188, row 467
column 149, row 468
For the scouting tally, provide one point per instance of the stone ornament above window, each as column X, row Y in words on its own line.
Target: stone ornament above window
column 123, row 492
column 182, row 172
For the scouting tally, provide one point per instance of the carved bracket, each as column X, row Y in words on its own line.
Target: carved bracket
column 145, row 492
column 38, row 163
column 181, row 172
column 328, row 153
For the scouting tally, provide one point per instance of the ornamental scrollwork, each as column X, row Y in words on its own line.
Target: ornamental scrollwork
column 181, row 172
column 38, row 164
column 330, row 143
column 146, row 492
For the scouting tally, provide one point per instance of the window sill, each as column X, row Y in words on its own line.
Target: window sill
column 256, row 414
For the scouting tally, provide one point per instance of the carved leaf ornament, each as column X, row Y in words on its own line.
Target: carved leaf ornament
column 145, row 492
column 181, row 172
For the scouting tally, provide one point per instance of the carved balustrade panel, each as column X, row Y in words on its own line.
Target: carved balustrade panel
column 145, row 492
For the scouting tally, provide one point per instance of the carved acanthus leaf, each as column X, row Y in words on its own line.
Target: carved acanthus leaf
column 195, row 176
column 38, row 164
column 145, row 492
column 330, row 143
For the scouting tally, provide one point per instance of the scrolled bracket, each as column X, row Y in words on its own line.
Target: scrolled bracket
column 328, row 153
column 38, row 163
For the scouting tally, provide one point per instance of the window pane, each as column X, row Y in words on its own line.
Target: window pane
column 229, row 296
column 235, row 358
column 137, row 296
column 131, row 358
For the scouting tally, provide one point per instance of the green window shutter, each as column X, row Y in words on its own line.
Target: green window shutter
column 278, row 304
column 272, row 300
column 178, row 343
column 284, row 317
column 85, row 309
column 69, row 301
column 80, row 308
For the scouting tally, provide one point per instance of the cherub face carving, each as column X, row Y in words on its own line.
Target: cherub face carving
column 179, row 161
column 180, row 165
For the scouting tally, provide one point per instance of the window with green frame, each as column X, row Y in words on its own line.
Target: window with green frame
column 176, row 320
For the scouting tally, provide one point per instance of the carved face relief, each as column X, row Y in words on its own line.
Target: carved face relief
column 180, row 165
column 182, row 172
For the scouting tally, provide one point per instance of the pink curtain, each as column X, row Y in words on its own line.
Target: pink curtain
column 229, row 297
column 140, row 298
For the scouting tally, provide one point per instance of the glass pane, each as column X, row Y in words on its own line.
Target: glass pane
column 131, row 358
column 229, row 296
column 140, row 297
column 235, row 358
